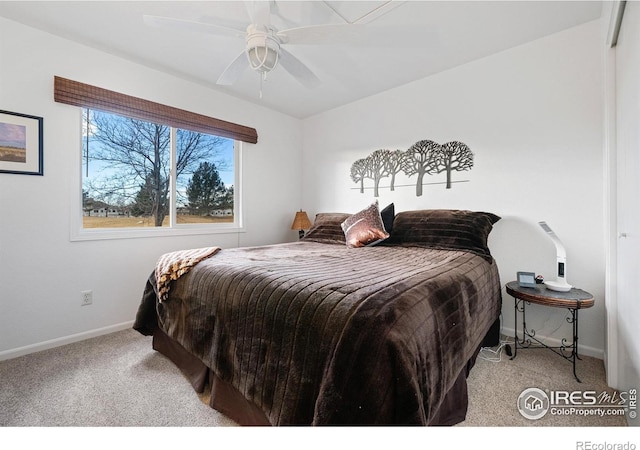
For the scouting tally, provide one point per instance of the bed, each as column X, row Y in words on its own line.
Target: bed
column 327, row 332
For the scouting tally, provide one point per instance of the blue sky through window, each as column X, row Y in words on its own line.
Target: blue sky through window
column 98, row 174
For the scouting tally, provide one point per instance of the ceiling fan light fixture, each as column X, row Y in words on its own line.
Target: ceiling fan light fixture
column 263, row 49
column 262, row 59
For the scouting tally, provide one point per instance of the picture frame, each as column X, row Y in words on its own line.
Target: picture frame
column 21, row 143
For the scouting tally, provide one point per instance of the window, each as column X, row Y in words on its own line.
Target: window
column 128, row 170
column 148, row 167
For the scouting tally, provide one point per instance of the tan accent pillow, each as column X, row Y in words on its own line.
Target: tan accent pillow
column 364, row 227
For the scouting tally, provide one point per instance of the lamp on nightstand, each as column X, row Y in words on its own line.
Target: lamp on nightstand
column 301, row 222
column 560, row 284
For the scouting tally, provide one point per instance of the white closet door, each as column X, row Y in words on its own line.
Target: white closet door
column 628, row 194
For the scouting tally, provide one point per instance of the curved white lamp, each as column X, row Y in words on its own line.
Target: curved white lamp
column 560, row 284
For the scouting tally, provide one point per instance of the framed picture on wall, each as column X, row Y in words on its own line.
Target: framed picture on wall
column 20, row 143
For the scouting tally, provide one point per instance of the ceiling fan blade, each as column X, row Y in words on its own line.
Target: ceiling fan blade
column 276, row 12
column 259, row 11
column 357, row 35
column 233, row 71
column 299, row 71
column 321, row 34
column 189, row 25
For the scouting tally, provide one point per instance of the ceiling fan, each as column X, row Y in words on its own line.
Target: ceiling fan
column 265, row 45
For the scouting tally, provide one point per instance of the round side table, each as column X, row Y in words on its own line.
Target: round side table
column 574, row 300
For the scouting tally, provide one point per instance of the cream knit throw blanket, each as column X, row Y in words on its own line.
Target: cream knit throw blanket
column 173, row 265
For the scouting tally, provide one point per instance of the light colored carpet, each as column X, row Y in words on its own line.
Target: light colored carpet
column 117, row 380
column 494, row 388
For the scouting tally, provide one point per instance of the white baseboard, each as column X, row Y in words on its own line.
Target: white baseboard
column 582, row 349
column 21, row 351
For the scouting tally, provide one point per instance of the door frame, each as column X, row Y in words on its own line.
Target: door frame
column 611, row 357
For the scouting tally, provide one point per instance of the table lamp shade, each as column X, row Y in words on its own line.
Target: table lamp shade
column 301, row 221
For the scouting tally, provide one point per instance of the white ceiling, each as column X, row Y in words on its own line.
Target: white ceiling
column 429, row 37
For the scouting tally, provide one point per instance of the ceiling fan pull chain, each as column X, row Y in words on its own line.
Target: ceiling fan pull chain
column 264, row 75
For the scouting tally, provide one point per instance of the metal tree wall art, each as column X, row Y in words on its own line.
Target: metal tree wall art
column 421, row 159
column 425, row 157
column 455, row 156
column 359, row 171
column 394, row 163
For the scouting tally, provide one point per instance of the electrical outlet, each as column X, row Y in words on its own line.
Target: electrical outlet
column 87, row 298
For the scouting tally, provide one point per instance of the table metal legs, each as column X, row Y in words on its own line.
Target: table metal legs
column 568, row 352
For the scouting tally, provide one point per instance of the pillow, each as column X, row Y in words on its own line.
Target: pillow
column 388, row 214
column 364, row 227
column 445, row 229
column 327, row 228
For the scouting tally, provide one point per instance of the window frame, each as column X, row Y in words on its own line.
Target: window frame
column 83, row 95
column 79, row 233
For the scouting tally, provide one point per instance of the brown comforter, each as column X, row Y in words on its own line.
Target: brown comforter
column 319, row 334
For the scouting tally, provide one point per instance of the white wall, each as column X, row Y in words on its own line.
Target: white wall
column 532, row 115
column 41, row 271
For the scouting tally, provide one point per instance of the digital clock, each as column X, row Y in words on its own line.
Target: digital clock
column 526, row 279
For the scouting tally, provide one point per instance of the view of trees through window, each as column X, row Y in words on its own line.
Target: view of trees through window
column 127, row 166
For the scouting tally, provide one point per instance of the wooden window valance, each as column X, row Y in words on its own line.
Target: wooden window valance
column 87, row 96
